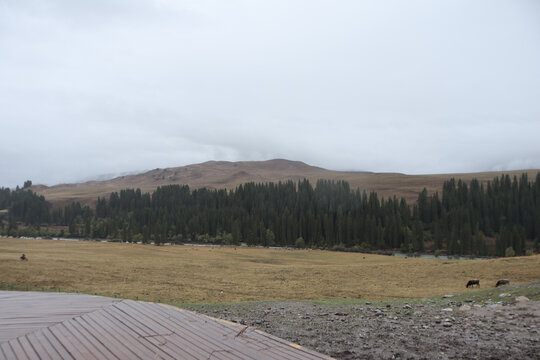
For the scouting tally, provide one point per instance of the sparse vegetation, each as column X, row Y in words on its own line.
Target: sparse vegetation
column 509, row 252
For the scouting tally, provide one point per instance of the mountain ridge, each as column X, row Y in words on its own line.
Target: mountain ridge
column 228, row 175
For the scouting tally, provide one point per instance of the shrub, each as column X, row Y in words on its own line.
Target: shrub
column 137, row 238
column 300, row 243
column 509, row 252
column 228, row 238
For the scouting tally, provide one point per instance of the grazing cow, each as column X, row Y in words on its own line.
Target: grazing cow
column 502, row 282
column 471, row 283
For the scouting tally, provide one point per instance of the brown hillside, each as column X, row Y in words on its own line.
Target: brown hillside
column 228, row 175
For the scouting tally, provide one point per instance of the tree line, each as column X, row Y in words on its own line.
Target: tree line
column 507, row 209
column 24, row 206
column 327, row 215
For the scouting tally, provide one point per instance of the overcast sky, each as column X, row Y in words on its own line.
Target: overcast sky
column 109, row 86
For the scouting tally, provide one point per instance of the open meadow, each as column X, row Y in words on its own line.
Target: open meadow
column 226, row 274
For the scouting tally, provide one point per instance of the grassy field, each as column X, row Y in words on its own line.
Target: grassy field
column 213, row 274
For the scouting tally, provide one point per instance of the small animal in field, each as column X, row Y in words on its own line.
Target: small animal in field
column 502, row 282
column 24, row 257
column 471, row 283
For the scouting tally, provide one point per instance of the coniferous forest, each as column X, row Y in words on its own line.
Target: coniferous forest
column 327, row 215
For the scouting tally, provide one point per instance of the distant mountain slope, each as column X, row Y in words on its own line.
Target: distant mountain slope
column 228, row 175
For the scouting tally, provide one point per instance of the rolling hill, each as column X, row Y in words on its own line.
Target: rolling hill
column 228, row 175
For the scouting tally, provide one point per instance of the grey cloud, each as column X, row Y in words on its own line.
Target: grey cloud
column 418, row 87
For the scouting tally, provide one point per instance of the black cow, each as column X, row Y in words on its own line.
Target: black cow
column 471, row 283
column 502, row 282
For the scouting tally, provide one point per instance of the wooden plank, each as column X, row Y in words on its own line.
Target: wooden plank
column 96, row 339
column 17, row 349
column 212, row 341
column 70, row 343
column 221, row 328
column 184, row 320
column 262, row 344
column 114, row 345
column 135, row 342
column 36, row 345
column 183, row 340
column 88, row 340
column 45, row 344
column 269, row 341
column 178, row 336
column 7, row 351
column 207, row 326
column 183, row 352
column 27, row 347
column 139, row 328
column 60, row 349
column 24, row 312
column 66, row 326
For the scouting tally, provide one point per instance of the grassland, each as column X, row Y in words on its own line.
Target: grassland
column 214, row 274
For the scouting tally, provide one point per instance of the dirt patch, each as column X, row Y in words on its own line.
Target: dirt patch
column 491, row 327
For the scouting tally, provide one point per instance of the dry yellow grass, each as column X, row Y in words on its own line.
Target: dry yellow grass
column 212, row 274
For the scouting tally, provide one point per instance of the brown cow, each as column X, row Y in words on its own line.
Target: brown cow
column 502, row 282
column 471, row 283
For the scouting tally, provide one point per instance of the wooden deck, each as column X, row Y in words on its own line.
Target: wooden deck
column 36, row 325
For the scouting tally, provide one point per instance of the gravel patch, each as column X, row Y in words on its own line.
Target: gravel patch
column 427, row 329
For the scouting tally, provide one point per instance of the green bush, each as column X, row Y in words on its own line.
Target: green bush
column 300, row 243
column 509, row 252
column 228, row 238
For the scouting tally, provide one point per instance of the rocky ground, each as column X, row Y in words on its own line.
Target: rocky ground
column 502, row 323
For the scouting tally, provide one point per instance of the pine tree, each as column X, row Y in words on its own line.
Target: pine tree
column 437, row 236
column 481, row 247
column 466, row 239
column 270, row 238
column 236, row 233
column 424, row 210
column 418, row 236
